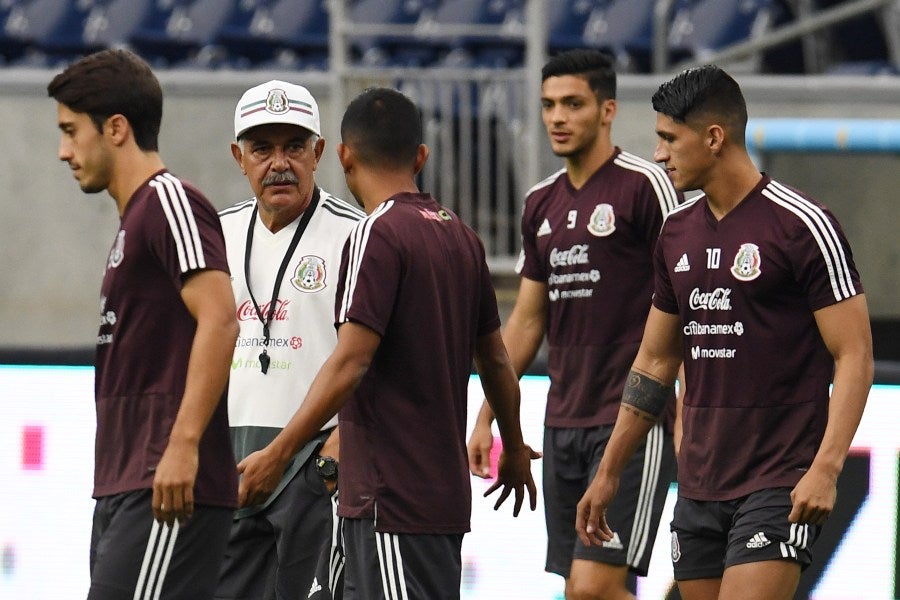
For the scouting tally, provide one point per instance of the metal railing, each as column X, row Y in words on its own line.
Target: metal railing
column 483, row 124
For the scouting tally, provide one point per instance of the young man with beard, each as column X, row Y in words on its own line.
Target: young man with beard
column 164, row 477
column 588, row 233
column 756, row 291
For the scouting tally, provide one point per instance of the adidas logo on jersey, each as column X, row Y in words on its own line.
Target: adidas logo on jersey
column 683, row 264
column 615, row 543
column 544, row 229
column 759, row 540
column 314, row 588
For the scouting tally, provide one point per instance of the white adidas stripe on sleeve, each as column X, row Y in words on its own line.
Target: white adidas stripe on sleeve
column 823, row 232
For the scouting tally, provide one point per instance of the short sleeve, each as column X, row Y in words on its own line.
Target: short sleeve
column 648, row 215
column 529, row 265
column 370, row 277
column 489, row 316
column 823, row 261
column 183, row 230
column 663, row 294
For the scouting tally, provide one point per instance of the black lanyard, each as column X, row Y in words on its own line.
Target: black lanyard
column 301, row 227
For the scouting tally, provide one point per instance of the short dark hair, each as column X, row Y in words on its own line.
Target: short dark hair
column 595, row 66
column 705, row 91
column 111, row 82
column 383, row 127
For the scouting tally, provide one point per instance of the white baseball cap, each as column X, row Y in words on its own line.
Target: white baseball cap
column 276, row 102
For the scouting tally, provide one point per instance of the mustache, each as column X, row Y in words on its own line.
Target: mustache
column 280, row 178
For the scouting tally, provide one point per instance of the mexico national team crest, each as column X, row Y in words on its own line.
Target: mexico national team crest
column 603, row 220
column 277, row 102
column 676, row 547
column 747, row 261
column 309, row 276
column 117, row 253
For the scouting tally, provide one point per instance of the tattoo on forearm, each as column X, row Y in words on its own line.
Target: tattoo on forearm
column 646, row 395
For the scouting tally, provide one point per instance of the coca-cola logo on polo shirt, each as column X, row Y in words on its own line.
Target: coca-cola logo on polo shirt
column 717, row 299
column 576, row 255
column 247, row 312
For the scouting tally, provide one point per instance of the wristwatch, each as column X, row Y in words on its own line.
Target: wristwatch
column 327, row 467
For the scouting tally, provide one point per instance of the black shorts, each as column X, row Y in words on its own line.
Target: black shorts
column 571, row 457
column 287, row 548
column 134, row 556
column 708, row 537
column 399, row 566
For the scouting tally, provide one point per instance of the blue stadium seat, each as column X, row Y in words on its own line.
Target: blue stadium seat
column 860, row 43
column 487, row 12
column 383, row 50
column 700, row 27
column 566, row 22
column 189, row 28
column 279, row 33
column 403, row 12
column 42, row 32
column 111, row 23
column 623, row 28
column 479, row 50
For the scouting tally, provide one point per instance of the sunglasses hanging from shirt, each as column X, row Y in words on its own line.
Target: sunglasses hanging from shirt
column 266, row 321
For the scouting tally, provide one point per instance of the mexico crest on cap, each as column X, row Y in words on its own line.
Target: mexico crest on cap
column 277, row 102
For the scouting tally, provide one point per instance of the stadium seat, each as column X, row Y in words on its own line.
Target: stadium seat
column 700, row 27
column 479, row 50
column 861, row 43
column 188, row 29
column 384, row 50
column 623, row 28
column 42, row 32
column 399, row 12
column 566, row 22
column 279, row 33
column 110, row 23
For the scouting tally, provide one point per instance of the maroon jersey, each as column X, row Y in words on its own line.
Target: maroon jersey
column 757, row 372
column 169, row 231
column 594, row 249
column 415, row 274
